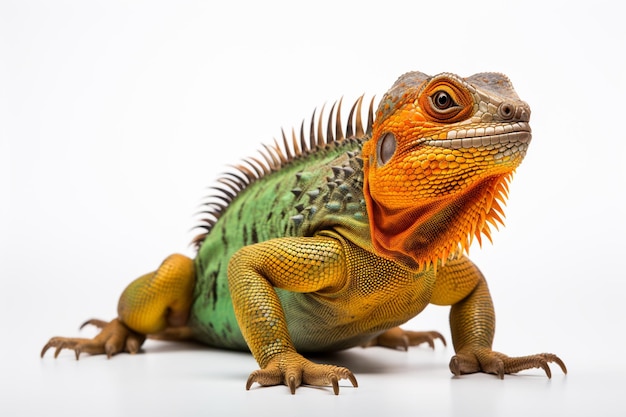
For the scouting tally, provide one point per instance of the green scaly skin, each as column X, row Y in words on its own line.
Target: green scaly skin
column 320, row 190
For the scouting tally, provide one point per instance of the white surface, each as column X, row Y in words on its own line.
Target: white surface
column 188, row 381
column 115, row 116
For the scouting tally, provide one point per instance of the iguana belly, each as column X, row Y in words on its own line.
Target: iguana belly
column 317, row 322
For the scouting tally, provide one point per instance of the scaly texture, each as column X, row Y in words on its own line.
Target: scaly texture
column 334, row 239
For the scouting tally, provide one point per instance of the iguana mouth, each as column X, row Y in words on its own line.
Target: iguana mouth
column 484, row 137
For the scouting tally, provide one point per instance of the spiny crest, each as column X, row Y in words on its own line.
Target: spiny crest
column 321, row 134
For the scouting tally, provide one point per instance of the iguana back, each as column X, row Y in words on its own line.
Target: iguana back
column 297, row 189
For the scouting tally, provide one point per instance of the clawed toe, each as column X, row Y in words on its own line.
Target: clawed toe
column 541, row 360
column 499, row 364
column 294, row 370
column 114, row 338
column 100, row 324
column 60, row 343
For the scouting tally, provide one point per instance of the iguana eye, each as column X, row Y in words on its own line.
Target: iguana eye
column 442, row 101
column 446, row 100
column 386, row 148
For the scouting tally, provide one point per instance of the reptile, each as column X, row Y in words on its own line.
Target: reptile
column 337, row 236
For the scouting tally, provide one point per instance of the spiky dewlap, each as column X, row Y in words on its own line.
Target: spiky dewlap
column 324, row 134
column 485, row 212
column 444, row 229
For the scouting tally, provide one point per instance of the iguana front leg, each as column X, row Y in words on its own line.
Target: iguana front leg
column 310, row 264
column 472, row 323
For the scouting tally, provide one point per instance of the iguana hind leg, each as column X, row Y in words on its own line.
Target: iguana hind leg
column 156, row 305
column 400, row 339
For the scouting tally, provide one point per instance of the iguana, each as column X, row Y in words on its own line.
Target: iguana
column 334, row 241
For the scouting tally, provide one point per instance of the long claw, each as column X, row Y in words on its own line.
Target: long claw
column 455, row 367
column 292, row 384
column 45, row 349
column 250, row 381
column 353, row 380
column 561, row 364
column 546, row 368
column 500, row 368
column 335, row 382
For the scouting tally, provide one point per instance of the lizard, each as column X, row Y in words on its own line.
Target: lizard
column 334, row 241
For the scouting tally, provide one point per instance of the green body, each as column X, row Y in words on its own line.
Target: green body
column 318, row 191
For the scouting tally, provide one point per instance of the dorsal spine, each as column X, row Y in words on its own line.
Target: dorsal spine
column 275, row 157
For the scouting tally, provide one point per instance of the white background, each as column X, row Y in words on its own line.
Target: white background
column 116, row 115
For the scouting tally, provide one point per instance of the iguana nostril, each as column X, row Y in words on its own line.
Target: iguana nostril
column 506, row 111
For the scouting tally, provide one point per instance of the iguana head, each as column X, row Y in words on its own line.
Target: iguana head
column 437, row 166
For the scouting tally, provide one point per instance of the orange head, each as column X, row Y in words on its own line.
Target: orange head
column 437, row 166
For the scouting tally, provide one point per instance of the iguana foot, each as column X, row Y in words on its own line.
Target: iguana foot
column 397, row 338
column 488, row 361
column 293, row 370
column 114, row 338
